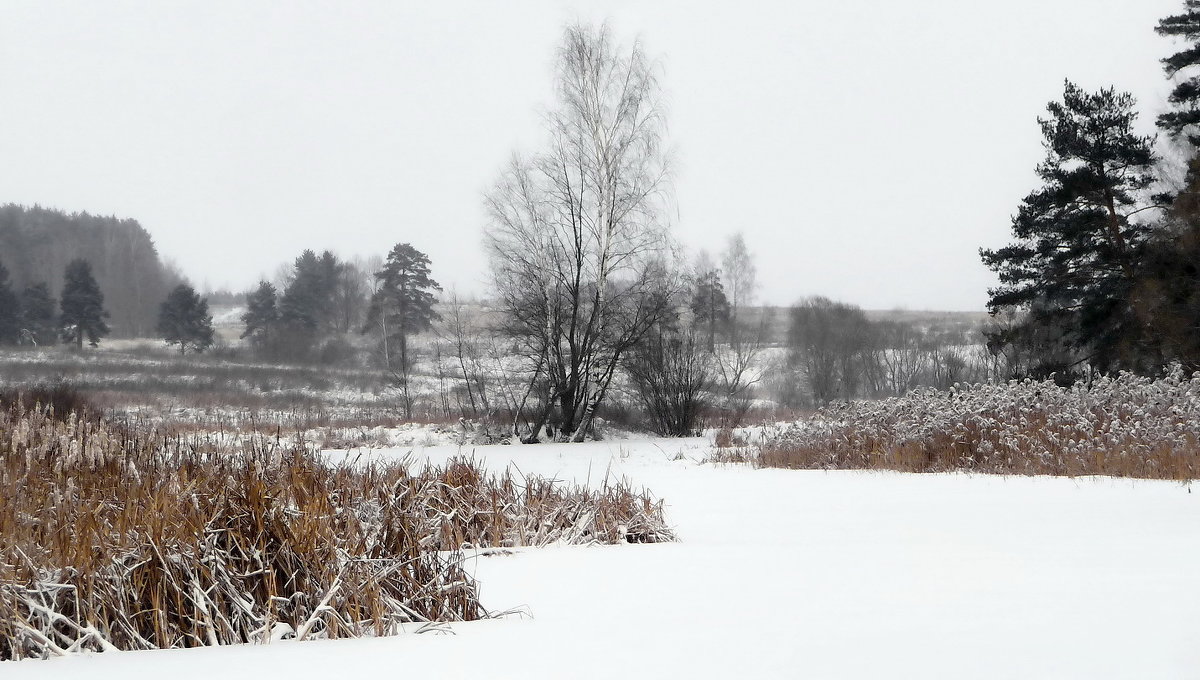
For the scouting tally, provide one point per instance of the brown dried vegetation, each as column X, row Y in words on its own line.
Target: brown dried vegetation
column 1125, row 426
column 118, row 536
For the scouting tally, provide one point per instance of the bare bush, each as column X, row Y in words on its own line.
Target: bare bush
column 673, row 377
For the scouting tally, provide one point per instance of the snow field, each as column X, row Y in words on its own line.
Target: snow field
column 789, row 574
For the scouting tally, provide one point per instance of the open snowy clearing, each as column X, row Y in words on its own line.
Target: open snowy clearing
column 785, row 574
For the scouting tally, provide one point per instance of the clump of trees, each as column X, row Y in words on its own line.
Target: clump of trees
column 31, row 318
column 310, row 312
column 1102, row 273
column 836, row 352
column 323, row 308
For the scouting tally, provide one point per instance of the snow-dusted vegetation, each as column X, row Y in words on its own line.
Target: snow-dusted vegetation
column 116, row 536
column 353, row 439
column 1127, row 426
column 783, row 574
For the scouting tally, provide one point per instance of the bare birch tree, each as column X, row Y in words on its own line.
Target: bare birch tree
column 576, row 236
column 738, row 365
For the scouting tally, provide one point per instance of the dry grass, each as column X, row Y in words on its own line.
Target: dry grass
column 117, row 536
column 1126, row 426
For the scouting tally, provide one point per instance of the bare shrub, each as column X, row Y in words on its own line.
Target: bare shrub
column 673, row 377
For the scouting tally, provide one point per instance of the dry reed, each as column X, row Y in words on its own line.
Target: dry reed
column 118, row 536
column 1125, row 426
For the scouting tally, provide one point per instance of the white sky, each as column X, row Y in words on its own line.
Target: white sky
column 866, row 149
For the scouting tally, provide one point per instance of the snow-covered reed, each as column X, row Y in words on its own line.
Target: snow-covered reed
column 1126, row 426
column 118, row 536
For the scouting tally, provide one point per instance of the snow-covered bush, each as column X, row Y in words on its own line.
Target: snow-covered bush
column 118, row 536
column 1127, row 426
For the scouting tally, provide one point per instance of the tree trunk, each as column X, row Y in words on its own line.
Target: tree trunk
column 1114, row 232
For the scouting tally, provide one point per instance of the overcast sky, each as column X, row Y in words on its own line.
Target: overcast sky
column 866, row 149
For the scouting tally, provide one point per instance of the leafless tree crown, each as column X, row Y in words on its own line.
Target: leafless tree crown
column 576, row 233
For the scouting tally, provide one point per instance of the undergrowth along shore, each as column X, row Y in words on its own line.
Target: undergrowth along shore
column 1125, row 426
column 116, row 536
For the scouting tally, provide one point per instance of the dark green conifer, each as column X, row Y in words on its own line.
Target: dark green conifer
column 183, row 320
column 82, row 304
column 39, row 324
column 1074, row 260
column 10, row 311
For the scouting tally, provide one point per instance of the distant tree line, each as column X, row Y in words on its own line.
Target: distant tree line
column 1103, row 273
column 322, row 303
column 37, row 244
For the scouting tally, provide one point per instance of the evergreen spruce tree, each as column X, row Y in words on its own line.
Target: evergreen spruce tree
column 1074, row 261
column 329, row 274
column 183, row 320
column 402, row 306
column 307, row 301
column 82, row 304
column 10, row 311
column 262, row 318
column 38, row 319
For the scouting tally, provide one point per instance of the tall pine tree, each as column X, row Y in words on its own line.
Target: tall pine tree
column 82, row 304
column 402, row 306
column 1074, row 261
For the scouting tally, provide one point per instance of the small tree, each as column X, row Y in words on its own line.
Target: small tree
column 183, row 320
column 307, row 299
column 10, row 311
column 402, row 306
column 39, row 324
column 710, row 307
column 736, row 365
column 462, row 335
column 261, row 318
column 82, row 305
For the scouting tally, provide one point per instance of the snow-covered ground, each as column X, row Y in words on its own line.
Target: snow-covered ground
column 790, row 574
